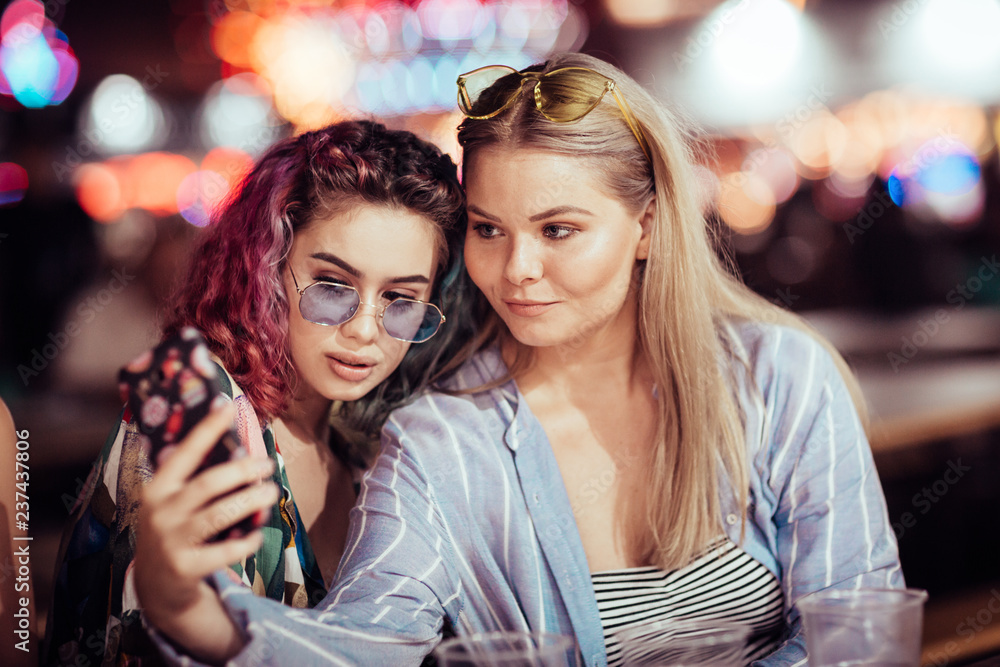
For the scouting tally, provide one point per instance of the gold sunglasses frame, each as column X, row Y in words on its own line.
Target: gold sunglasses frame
column 465, row 102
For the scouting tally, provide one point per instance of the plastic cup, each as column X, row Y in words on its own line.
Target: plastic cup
column 685, row 643
column 872, row 627
column 508, row 649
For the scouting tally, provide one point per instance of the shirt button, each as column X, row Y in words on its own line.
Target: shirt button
column 732, row 519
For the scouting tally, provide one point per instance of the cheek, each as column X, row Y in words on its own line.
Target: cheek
column 477, row 264
column 605, row 277
column 394, row 351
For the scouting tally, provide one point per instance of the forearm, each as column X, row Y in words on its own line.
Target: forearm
column 204, row 630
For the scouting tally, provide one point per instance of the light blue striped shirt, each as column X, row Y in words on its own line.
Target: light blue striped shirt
column 464, row 519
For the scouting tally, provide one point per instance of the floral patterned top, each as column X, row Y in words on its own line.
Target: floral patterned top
column 95, row 617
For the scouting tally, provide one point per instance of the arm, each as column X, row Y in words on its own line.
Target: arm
column 833, row 529
column 177, row 515
column 94, row 615
column 386, row 606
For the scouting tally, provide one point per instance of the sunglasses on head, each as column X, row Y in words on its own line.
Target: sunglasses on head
column 331, row 304
column 562, row 95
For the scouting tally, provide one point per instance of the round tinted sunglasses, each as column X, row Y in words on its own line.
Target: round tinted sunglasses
column 331, row 304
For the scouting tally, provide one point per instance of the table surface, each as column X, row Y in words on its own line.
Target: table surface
column 949, row 387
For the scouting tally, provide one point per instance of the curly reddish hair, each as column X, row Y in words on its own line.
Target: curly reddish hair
column 234, row 293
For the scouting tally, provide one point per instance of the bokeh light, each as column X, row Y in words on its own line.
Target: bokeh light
column 99, row 192
column 13, row 183
column 122, row 117
column 961, row 34
column 390, row 58
column 760, row 46
column 155, row 180
column 238, row 112
column 306, row 65
column 941, row 181
column 37, row 66
column 198, row 196
column 745, row 203
column 149, row 181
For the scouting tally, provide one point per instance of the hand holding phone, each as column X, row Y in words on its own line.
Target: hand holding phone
column 171, row 388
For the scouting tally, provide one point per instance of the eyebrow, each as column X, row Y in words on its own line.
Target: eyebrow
column 558, row 210
column 472, row 208
column 336, row 261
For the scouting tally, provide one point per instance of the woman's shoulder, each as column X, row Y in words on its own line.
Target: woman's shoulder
column 474, row 397
column 774, row 350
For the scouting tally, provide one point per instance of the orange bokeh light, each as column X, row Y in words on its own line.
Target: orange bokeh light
column 233, row 35
column 99, row 192
column 156, row 178
column 230, row 163
column 745, row 203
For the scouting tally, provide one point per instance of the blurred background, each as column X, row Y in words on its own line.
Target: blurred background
column 848, row 159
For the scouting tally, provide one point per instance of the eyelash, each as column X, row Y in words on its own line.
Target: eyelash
column 562, row 232
column 388, row 296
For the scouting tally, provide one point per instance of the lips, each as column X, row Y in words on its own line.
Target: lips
column 525, row 308
column 351, row 367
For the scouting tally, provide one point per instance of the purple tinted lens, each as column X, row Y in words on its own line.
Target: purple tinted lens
column 328, row 303
column 411, row 320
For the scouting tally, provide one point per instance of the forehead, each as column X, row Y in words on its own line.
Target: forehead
column 380, row 240
column 534, row 179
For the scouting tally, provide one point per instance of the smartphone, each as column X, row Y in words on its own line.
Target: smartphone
column 171, row 388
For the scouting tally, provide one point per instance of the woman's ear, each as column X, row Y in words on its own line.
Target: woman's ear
column 646, row 222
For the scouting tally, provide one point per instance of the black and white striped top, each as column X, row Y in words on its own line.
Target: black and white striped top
column 722, row 583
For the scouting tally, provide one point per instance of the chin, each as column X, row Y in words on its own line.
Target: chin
column 338, row 390
column 538, row 336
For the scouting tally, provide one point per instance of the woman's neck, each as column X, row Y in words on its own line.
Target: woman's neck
column 307, row 418
column 609, row 356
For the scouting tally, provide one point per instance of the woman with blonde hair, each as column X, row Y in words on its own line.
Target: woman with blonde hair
column 637, row 436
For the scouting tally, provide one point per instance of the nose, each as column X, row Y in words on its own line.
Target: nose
column 363, row 327
column 524, row 263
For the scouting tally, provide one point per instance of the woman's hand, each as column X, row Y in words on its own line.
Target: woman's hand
column 177, row 517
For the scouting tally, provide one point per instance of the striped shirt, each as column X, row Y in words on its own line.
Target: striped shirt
column 464, row 522
column 722, row 584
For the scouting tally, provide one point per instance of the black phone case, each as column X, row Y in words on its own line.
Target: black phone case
column 171, row 388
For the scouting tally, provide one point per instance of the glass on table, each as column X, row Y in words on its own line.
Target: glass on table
column 870, row 627
column 508, row 649
column 685, row 643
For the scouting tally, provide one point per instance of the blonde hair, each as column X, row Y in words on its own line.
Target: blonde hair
column 686, row 295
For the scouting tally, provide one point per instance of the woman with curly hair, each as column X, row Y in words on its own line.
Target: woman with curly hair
column 319, row 288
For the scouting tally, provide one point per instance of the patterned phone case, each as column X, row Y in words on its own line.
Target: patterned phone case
column 171, row 388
